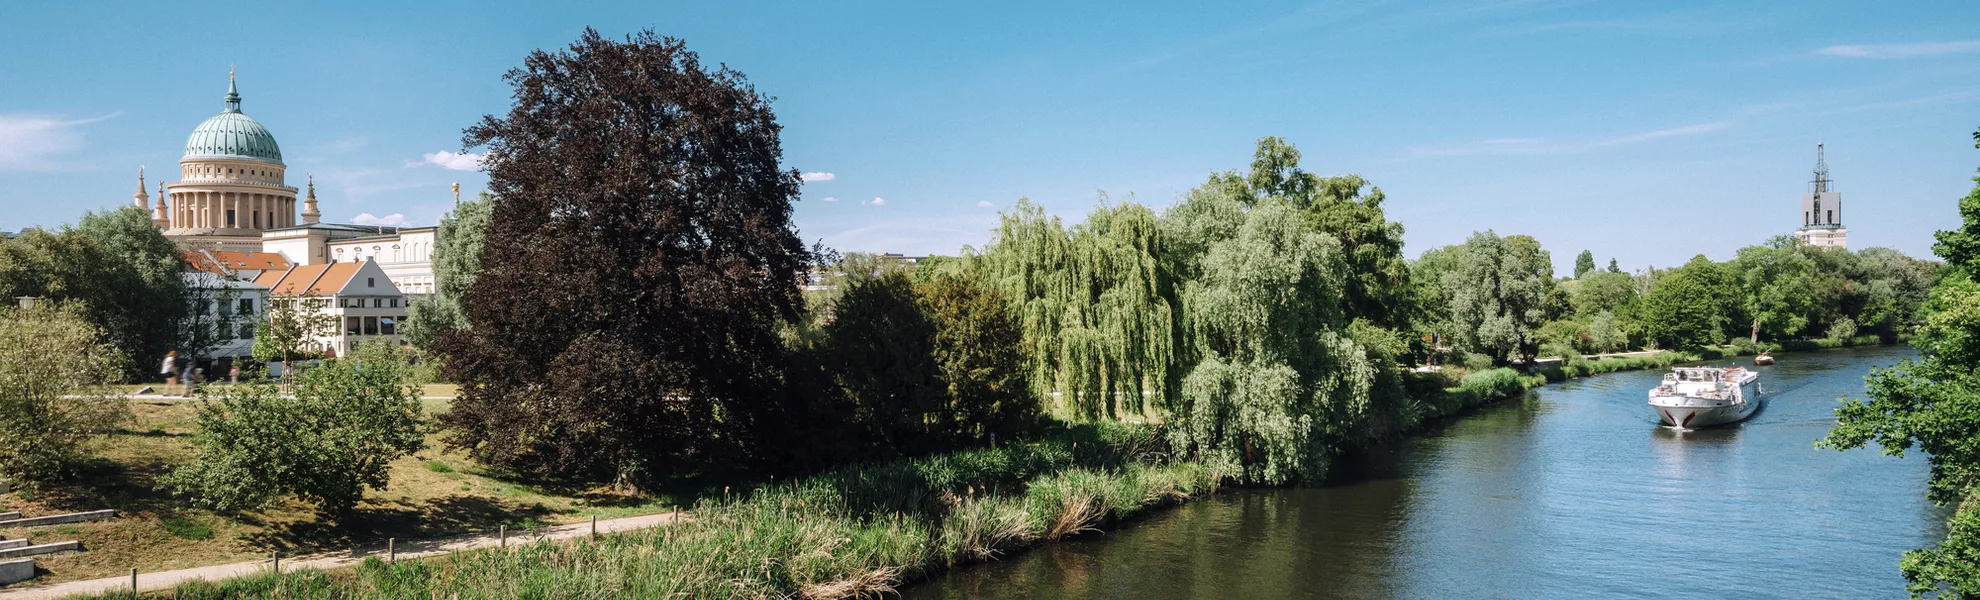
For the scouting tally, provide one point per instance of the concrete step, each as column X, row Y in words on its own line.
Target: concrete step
column 16, row 571
column 37, row 550
column 94, row 515
column 9, row 516
column 5, row 544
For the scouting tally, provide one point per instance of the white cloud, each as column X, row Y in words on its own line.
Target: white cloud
column 1511, row 146
column 465, row 161
column 876, row 202
column 983, row 204
column 831, row 199
column 391, row 220
column 33, row 143
column 1891, row 51
column 818, row 176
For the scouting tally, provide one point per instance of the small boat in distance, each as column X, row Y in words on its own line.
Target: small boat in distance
column 1705, row 396
column 1763, row 359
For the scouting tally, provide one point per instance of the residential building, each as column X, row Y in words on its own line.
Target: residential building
column 358, row 296
column 228, row 309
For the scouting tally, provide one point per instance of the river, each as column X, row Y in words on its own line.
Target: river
column 1571, row 492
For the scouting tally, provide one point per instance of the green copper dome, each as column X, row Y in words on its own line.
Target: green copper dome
column 233, row 135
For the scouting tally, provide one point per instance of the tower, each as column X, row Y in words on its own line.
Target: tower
column 1821, row 209
column 230, row 186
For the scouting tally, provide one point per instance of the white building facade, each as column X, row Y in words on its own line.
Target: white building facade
column 357, row 297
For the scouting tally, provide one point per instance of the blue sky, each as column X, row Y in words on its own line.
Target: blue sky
column 1648, row 132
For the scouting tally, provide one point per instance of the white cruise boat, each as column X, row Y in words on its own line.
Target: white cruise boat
column 1692, row 397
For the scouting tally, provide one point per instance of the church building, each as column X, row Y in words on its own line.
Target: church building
column 1821, row 209
column 233, row 197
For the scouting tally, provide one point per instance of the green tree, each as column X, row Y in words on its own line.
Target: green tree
column 54, row 365
column 1612, row 266
column 289, row 325
column 118, row 270
column 456, row 263
column 1689, row 306
column 338, row 435
column 640, row 272
column 1497, row 295
column 1602, row 291
column 1781, row 286
column 978, row 352
column 1378, row 276
column 1096, row 304
column 1605, row 334
column 1274, row 388
column 1584, row 264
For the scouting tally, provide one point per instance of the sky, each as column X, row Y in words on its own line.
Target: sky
column 1647, row 132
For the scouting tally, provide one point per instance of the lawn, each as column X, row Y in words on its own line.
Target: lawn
column 432, row 494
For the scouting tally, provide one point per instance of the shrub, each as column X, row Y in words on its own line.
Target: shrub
column 349, row 419
column 1495, row 384
column 1843, row 329
column 53, row 366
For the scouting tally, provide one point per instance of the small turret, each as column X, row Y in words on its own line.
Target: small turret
column 143, row 201
column 161, row 215
column 309, row 213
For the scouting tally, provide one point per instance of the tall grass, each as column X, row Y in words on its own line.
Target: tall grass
column 856, row 532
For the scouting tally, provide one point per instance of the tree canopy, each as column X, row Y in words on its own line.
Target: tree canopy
column 119, row 271
column 639, row 264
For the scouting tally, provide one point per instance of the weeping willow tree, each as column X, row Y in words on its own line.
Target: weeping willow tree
column 1096, row 304
column 1274, row 385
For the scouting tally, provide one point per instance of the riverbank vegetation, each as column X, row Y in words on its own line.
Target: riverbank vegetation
column 629, row 320
column 1932, row 404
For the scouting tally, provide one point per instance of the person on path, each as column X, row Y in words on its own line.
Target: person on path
column 171, row 368
column 234, row 373
column 191, row 380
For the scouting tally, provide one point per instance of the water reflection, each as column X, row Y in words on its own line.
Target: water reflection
column 1557, row 495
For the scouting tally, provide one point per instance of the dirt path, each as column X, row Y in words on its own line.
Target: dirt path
column 151, row 582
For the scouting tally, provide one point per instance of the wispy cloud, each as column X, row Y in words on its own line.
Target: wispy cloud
column 984, row 204
column 1895, row 51
column 818, row 176
column 831, row 199
column 391, row 220
column 36, row 143
column 465, row 161
column 1512, row 146
column 876, row 202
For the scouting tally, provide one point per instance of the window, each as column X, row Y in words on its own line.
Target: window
column 1804, row 218
column 371, row 325
column 230, row 217
column 377, row 302
column 246, row 307
column 371, row 282
column 1832, row 217
column 395, row 303
column 354, row 326
column 388, row 325
column 247, row 329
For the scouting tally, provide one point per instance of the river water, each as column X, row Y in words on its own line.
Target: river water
column 1571, row 492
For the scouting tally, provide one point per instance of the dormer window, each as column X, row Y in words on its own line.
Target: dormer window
column 371, row 282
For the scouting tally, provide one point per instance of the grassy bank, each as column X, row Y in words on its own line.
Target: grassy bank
column 434, row 494
column 853, row 532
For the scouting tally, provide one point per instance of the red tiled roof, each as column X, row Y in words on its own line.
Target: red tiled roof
column 223, row 263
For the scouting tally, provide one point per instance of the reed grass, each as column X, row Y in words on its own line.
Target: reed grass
column 856, row 532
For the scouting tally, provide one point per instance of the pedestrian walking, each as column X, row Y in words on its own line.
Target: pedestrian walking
column 170, row 369
column 191, row 380
column 234, row 373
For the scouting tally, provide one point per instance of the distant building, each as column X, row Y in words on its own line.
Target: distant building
column 232, row 197
column 240, row 265
column 1821, row 209
column 359, row 295
column 229, row 308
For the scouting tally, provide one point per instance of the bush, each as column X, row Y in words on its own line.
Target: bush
column 53, row 366
column 1843, row 329
column 1495, row 384
column 349, row 419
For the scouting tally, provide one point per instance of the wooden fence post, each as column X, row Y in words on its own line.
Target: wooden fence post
column 391, row 549
column 134, row 581
column 503, row 533
column 594, row 527
column 276, row 557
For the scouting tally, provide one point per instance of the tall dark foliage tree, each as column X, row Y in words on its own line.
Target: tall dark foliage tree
column 639, row 263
